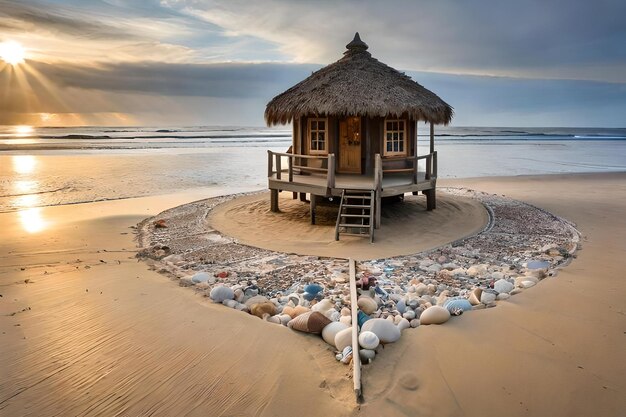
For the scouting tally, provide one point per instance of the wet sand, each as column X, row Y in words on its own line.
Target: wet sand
column 116, row 338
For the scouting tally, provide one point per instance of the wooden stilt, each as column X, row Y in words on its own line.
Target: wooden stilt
column 303, row 197
column 313, row 199
column 431, row 199
column 356, row 359
column 295, row 195
column 274, row 201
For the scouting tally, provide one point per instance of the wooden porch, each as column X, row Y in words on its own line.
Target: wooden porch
column 316, row 175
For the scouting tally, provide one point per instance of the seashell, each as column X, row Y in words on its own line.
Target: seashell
column 288, row 310
column 310, row 322
column 474, row 297
column 310, row 297
column 397, row 319
column 230, row 303
column 330, row 331
column 386, row 331
column 435, row 315
column 343, row 338
column 347, row 320
column 367, row 305
column 242, row 307
column 368, row 340
column 362, row 318
column 313, row 288
column 294, row 298
column 239, row 295
column 221, row 293
column 414, row 323
column 367, row 355
column 261, row 309
column 461, row 303
column 273, row 319
column 345, row 311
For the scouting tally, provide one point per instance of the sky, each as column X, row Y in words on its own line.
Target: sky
column 218, row 62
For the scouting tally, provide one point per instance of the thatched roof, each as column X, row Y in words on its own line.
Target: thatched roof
column 358, row 85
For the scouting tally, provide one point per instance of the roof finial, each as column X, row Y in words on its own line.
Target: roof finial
column 357, row 45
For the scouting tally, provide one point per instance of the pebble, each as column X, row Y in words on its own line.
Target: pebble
column 221, row 293
column 527, row 284
column 367, row 304
column 202, row 277
column 455, row 303
column 386, row 331
column 487, row 297
column 343, row 338
column 330, row 331
column 503, row 285
column 368, row 340
column 434, row 315
column 367, row 355
column 261, row 310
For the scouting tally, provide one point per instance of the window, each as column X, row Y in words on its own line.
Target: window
column 395, row 137
column 318, row 143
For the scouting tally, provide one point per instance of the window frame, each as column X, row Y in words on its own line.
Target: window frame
column 309, row 139
column 404, row 138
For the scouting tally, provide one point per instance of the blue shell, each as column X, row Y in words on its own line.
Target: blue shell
column 457, row 303
column 313, row 288
column 361, row 318
column 310, row 297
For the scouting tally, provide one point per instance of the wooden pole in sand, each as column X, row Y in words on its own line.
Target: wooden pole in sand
column 356, row 359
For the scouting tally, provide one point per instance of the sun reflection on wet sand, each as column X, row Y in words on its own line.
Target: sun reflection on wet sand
column 32, row 220
column 23, row 130
column 24, row 164
column 25, row 186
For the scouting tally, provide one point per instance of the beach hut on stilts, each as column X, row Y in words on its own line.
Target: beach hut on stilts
column 355, row 136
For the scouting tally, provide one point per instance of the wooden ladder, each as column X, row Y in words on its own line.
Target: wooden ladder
column 356, row 214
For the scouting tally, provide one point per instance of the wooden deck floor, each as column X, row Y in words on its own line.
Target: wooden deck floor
column 316, row 184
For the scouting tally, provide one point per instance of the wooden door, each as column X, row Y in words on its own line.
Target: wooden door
column 350, row 145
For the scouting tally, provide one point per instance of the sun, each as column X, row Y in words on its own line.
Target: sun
column 12, row 52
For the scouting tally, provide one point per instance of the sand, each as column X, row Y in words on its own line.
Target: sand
column 407, row 227
column 117, row 338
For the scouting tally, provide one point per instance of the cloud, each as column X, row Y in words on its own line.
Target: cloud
column 556, row 39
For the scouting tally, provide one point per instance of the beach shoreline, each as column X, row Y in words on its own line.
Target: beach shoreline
column 55, row 332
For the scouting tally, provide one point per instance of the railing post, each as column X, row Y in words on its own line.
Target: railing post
column 278, row 166
column 378, row 186
column 429, row 159
column 415, row 179
column 330, row 172
column 290, row 165
column 435, row 164
column 269, row 163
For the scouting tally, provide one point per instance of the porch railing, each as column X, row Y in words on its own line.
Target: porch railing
column 294, row 163
column 382, row 167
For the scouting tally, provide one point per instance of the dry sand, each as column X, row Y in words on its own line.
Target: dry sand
column 407, row 227
column 118, row 339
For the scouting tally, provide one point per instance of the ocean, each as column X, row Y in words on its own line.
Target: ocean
column 65, row 165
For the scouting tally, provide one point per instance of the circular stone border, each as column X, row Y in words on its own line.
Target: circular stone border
column 179, row 243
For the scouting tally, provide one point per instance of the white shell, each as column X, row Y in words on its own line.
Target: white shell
column 404, row 324
column 323, row 306
column 368, row 340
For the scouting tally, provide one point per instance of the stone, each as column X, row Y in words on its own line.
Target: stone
column 503, row 296
column 239, row 295
column 330, row 331
column 476, row 270
column 503, row 285
column 297, row 310
column 421, row 289
column 487, row 297
column 343, row 338
column 313, row 288
column 221, row 293
column 202, row 277
column 409, row 314
column 311, row 322
column 230, row 303
column 414, row 323
column 368, row 340
column 367, row 305
column 454, row 303
column 345, row 311
column 256, row 300
column 263, row 309
column 367, row 355
column 386, row 331
column 284, row 319
column 527, row 284
column 403, row 324
column 346, row 320
column 401, row 306
column 323, row 306
column 435, row 315
column 362, row 318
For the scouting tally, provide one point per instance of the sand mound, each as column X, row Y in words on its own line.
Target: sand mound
column 406, row 226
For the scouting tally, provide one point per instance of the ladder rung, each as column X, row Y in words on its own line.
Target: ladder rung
column 355, row 234
column 357, row 206
column 354, row 225
column 362, row 216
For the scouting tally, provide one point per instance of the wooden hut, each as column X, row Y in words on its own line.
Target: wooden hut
column 355, row 134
